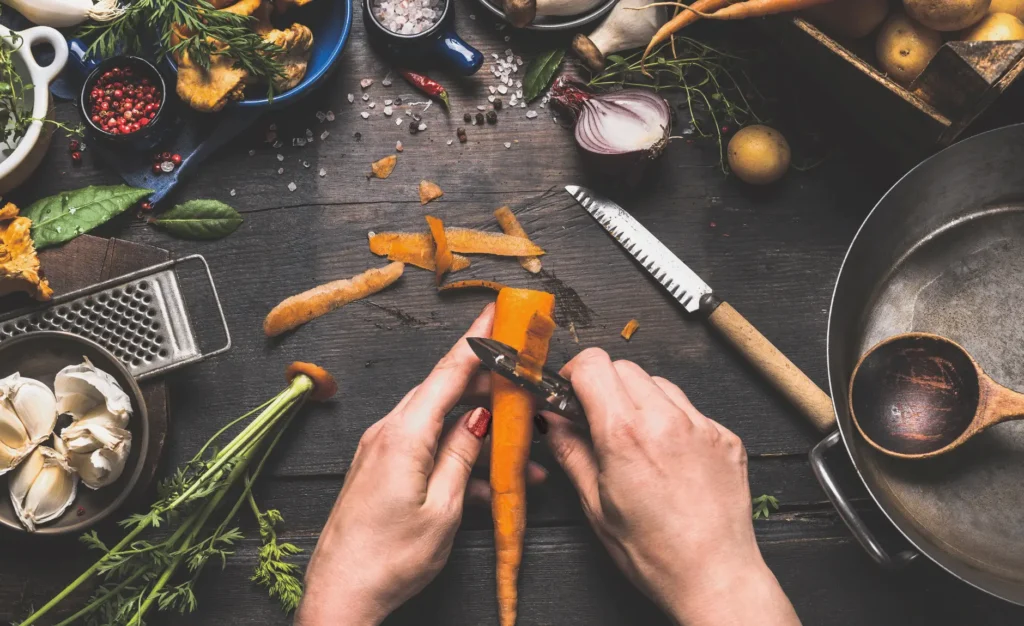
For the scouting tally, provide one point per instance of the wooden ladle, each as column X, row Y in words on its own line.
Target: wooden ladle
column 918, row 395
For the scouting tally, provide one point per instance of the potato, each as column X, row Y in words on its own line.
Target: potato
column 996, row 27
column 946, row 15
column 849, row 19
column 758, row 155
column 904, row 47
column 1013, row 7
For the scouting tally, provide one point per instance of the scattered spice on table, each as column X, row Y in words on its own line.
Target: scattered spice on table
column 429, row 191
column 630, row 328
column 428, row 86
column 382, row 168
column 461, row 134
column 492, row 117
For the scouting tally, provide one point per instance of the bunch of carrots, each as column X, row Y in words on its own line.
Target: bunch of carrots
column 687, row 14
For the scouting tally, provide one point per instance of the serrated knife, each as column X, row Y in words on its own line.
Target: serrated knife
column 697, row 297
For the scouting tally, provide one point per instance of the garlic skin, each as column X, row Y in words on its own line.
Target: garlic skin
column 82, row 388
column 28, row 414
column 625, row 28
column 42, row 487
column 98, row 448
column 103, row 466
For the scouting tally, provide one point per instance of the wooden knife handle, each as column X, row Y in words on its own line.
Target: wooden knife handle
column 779, row 370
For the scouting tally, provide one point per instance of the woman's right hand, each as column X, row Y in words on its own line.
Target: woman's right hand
column 666, row 491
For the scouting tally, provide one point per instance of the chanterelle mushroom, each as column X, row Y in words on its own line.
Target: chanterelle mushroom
column 19, row 265
column 210, row 90
column 297, row 42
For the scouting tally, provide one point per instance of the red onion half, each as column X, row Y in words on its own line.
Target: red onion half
column 620, row 132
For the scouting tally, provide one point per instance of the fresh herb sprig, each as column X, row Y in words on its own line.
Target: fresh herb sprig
column 141, row 573
column 717, row 85
column 191, row 27
column 764, row 505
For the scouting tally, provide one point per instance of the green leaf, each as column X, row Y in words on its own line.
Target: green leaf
column 541, row 72
column 615, row 59
column 200, row 219
column 63, row 217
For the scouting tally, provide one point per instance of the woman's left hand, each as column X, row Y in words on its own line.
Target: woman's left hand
column 392, row 527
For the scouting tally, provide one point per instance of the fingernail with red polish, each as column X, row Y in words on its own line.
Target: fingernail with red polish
column 479, row 422
column 541, row 424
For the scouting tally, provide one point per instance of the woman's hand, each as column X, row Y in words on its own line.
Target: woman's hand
column 392, row 527
column 666, row 490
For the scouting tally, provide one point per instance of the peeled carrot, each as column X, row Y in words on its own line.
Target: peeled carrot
column 462, row 240
column 511, row 226
column 680, row 21
column 309, row 305
column 511, row 431
column 442, row 255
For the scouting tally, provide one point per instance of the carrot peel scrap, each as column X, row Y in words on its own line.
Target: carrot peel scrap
column 460, row 240
column 442, row 255
column 511, row 226
column 383, row 167
column 535, row 349
column 429, row 191
column 420, row 256
column 630, row 328
column 472, row 284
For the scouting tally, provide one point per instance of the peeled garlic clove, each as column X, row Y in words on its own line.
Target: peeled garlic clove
column 103, row 466
column 10, row 457
column 12, row 431
column 42, row 487
column 81, row 388
column 33, row 403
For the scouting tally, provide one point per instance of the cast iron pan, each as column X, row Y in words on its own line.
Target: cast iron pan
column 41, row 355
column 943, row 253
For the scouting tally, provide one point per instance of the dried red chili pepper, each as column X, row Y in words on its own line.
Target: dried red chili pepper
column 428, row 86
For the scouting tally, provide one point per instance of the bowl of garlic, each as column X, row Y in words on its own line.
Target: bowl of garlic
column 73, row 433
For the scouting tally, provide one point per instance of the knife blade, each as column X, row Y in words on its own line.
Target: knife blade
column 554, row 392
column 696, row 296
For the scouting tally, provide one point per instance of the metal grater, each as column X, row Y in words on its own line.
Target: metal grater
column 141, row 318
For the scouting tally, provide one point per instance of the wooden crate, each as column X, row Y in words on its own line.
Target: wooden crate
column 960, row 82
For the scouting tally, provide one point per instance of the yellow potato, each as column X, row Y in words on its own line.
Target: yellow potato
column 849, row 19
column 905, row 47
column 1013, row 7
column 946, row 15
column 996, row 27
column 758, row 155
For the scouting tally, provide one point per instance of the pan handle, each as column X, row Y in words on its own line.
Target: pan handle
column 853, row 521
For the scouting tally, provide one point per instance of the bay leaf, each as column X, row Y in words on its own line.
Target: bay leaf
column 541, row 72
column 200, row 219
column 63, row 217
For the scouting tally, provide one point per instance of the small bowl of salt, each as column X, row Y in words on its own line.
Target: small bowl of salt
column 418, row 33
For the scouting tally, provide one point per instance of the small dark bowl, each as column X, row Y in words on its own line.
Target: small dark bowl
column 439, row 44
column 145, row 138
column 40, row 355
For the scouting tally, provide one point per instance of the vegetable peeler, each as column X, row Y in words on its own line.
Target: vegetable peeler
column 554, row 391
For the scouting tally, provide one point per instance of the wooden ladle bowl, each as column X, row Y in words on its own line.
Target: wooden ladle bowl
column 918, row 395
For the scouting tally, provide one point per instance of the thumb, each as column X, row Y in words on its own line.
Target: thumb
column 456, row 456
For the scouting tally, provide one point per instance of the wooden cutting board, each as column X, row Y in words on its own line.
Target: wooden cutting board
column 88, row 260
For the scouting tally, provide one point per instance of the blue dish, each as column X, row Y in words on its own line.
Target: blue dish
column 437, row 44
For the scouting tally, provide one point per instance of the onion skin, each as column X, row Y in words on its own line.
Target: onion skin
column 598, row 116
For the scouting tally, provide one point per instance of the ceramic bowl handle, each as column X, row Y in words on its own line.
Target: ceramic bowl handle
column 45, row 34
column 457, row 54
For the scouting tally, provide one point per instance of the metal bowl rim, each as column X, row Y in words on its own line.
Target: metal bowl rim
column 573, row 21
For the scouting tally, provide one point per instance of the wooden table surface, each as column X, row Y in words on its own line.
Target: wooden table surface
column 774, row 253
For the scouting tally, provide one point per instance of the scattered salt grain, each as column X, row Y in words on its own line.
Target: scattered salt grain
column 323, row 172
column 324, row 135
column 449, row 142
column 305, row 164
column 320, row 116
column 365, row 83
column 277, row 144
column 507, row 38
column 502, row 89
column 351, row 99
column 481, row 107
column 472, row 16
column 387, row 81
column 330, row 116
column 531, row 114
column 519, row 60
column 490, row 98
column 232, row 192
column 508, row 144
column 492, row 89
column 366, row 97
column 387, row 101
column 309, row 133
column 372, row 105
column 398, row 121
column 272, row 127
column 292, row 186
column 280, row 157
column 280, row 170
column 398, row 146
column 298, row 142
column 364, row 115
column 421, row 127
column 522, row 105
column 388, row 110
column 252, row 153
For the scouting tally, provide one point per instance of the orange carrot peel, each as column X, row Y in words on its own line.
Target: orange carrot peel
column 630, row 328
column 324, row 385
column 382, row 168
column 461, row 240
column 472, row 284
column 429, row 191
column 442, row 255
column 535, row 347
column 511, row 432
column 420, row 256
column 511, row 226
column 309, row 305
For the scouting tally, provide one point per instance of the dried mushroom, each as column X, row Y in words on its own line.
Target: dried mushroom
column 245, row 8
column 19, row 265
column 284, row 5
column 210, row 90
column 297, row 43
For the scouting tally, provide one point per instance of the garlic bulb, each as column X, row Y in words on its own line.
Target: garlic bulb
column 98, row 447
column 63, row 13
column 83, row 389
column 42, row 487
column 624, row 28
column 28, row 413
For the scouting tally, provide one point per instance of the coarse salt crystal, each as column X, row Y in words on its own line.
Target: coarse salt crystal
column 372, row 105
column 449, row 142
column 481, row 107
column 508, row 51
column 364, row 115
column 324, row 135
column 366, row 97
column 422, row 126
column 305, row 164
column 508, row 144
column 398, row 146
column 292, row 186
column 522, row 105
column 365, row 83
column 387, row 81
column 323, row 172
column 502, row 89
column 232, row 192
column 398, row 121
column 351, row 99
column 490, row 98
column 519, row 60
column 495, row 55
column 531, row 114
column 472, row 16
column 298, row 142
column 280, row 157
column 330, row 116
column 252, row 153
column 309, row 133
column 388, row 110
column 320, row 116
column 272, row 127
column 507, row 38
column 277, row 144
column 492, row 88
column 280, row 170
column 388, row 101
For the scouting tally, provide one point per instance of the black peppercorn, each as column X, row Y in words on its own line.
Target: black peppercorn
column 461, row 134
column 467, row 118
column 358, row 136
column 479, row 118
column 492, row 117
column 497, row 104
column 398, row 102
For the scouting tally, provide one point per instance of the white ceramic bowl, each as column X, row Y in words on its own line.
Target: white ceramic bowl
column 29, row 152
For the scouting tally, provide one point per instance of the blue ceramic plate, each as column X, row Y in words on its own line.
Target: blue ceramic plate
column 331, row 23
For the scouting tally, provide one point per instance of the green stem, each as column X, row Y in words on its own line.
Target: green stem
column 100, row 601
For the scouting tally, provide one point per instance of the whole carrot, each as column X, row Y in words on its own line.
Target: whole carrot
column 761, row 8
column 428, row 86
column 680, row 21
column 511, row 432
